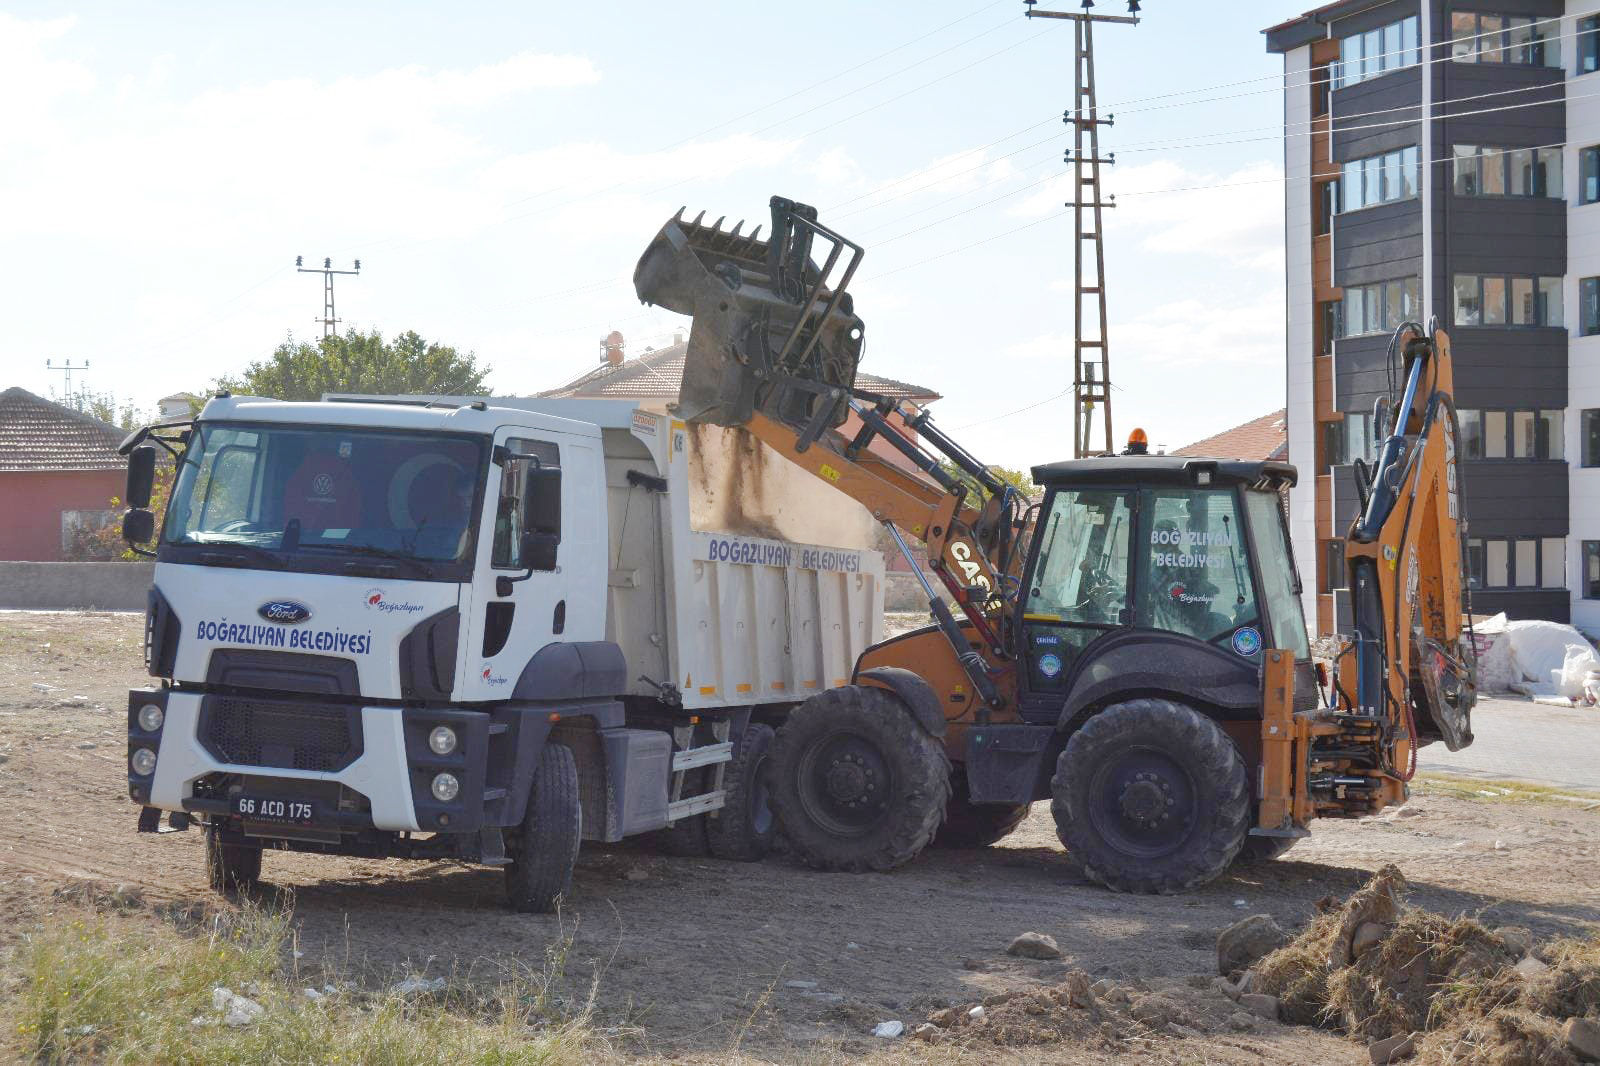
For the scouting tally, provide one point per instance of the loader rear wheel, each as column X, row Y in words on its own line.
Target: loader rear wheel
column 975, row 825
column 1151, row 796
column 744, row 829
column 231, row 867
column 857, row 784
column 546, row 845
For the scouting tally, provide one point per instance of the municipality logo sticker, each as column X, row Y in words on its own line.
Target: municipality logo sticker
column 1246, row 641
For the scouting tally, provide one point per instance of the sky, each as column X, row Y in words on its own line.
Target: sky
column 499, row 167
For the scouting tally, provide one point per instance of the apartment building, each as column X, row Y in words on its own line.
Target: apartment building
column 1443, row 159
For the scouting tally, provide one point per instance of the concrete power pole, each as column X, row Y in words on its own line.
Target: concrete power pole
column 329, row 320
column 1091, row 354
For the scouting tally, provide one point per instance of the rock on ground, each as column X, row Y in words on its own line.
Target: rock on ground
column 1034, row 946
column 1246, row 942
column 1582, row 1037
column 1395, row 1048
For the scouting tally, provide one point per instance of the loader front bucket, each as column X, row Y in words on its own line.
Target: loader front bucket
column 769, row 332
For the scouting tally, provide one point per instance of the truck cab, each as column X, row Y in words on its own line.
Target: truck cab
column 442, row 630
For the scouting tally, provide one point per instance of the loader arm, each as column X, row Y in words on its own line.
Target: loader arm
column 774, row 348
column 1409, row 667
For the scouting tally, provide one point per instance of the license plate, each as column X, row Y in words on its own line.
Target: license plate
column 272, row 809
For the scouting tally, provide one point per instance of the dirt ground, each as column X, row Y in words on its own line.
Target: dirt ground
column 694, row 956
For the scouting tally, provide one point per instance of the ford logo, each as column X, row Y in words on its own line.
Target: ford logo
column 286, row 611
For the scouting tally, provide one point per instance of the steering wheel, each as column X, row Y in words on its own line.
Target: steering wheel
column 238, row 525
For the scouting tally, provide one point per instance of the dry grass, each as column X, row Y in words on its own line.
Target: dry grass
column 94, row 986
column 1482, row 790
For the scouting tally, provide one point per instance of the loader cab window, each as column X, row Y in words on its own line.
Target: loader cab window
column 1079, row 586
column 1280, row 584
column 508, row 510
column 1195, row 577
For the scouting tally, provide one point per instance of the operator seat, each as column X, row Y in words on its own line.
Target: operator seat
column 322, row 493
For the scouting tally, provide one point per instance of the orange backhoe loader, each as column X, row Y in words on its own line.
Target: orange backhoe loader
column 1130, row 647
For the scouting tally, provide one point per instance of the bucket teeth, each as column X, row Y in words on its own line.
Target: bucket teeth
column 697, row 219
column 679, row 216
column 716, row 226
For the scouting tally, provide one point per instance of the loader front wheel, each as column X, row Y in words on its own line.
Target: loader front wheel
column 856, row 783
column 546, row 844
column 1151, row 796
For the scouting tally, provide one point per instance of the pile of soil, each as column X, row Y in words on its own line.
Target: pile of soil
column 1376, row 968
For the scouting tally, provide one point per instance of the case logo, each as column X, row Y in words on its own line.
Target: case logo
column 285, row 612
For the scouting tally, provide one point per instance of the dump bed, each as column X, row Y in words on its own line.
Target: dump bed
column 716, row 619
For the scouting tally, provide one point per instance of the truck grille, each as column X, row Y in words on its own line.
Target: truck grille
column 294, row 736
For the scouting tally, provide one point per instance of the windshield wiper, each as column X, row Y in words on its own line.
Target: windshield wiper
column 381, row 553
column 220, row 546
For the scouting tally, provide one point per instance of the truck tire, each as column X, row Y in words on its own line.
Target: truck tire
column 1151, row 796
column 975, row 825
column 231, row 867
column 546, row 848
column 744, row 829
column 1263, row 849
column 856, row 783
column 686, row 838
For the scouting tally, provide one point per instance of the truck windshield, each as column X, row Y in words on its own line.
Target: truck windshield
column 331, row 494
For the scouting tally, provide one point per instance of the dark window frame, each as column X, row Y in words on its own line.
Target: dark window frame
column 1477, row 565
column 1588, row 307
column 1507, row 309
column 1589, row 175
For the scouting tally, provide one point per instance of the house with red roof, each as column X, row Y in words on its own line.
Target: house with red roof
column 59, row 469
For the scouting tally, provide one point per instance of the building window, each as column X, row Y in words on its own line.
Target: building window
column 1367, row 55
column 1471, row 423
column 1514, row 434
column 1520, row 39
column 1332, row 323
column 1380, row 179
column 1589, row 175
column 1333, row 569
column 1534, row 172
column 1358, row 439
column 1589, row 306
column 1326, row 206
column 1381, row 306
column 1591, row 569
column 1500, row 301
column 1589, row 437
column 1527, row 562
column 1588, row 45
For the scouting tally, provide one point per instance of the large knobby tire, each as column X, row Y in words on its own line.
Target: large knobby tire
column 545, row 849
column 686, row 838
column 1150, row 796
column 856, row 783
column 231, row 867
column 744, row 829
column 1264, row 849
column 975, row 825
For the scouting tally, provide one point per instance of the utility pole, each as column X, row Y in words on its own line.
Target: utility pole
column 1091, row 355
column 66, row 368
column 329, row 320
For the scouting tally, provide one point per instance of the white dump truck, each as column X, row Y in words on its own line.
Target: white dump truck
column 476, row 630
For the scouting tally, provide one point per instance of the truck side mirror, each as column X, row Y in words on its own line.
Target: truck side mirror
column 539, row 550
column 138, row 526
column 541, row 501
column 141, row 476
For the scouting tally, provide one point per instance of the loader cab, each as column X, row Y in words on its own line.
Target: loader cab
column 1146, row 569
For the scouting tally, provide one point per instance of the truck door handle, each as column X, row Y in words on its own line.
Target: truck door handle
column 559, row 623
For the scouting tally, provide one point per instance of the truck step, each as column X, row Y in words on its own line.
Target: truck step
column 694, row 805
column 705, row 755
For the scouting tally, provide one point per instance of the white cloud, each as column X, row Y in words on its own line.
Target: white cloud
column 31, row 81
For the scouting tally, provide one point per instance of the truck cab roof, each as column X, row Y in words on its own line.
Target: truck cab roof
column 444, row 415
column 1164, row 470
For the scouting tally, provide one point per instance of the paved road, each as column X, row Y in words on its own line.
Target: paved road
column 1516, row 738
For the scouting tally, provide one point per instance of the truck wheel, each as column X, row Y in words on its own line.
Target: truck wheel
column 231, row 867
column 856, row 782
column 1150, row 796
column 686, row 838
column 743, row 830
column 546, row 849
column 975, row 825
column 1264, row 849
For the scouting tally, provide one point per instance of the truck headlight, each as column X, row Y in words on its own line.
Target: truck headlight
column 442, row 740
column 144, row 762
column 151, row 717
column 445, row 786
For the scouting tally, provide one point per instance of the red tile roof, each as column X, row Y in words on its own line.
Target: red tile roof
column 1264, row 438
column 36, row 434
column 657, row 374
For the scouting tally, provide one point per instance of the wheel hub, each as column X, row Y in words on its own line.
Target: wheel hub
column 1145, row 800
column 845, row 783
column 848, row 780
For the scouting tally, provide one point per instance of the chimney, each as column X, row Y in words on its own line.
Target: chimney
column 611, row 349
column 677, row 338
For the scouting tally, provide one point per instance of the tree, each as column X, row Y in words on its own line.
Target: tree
column 364, row 363
column 1017, row 479
column 104, row 406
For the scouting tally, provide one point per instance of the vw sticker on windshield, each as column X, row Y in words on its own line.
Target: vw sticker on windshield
column 1246, row 641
